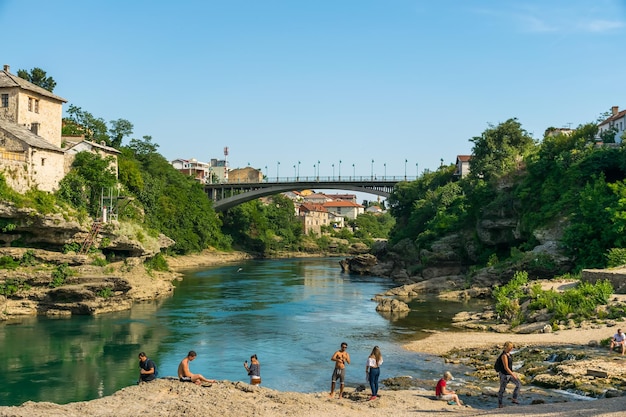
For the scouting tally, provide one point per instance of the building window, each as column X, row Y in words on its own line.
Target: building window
column 30, row 104
column 43, row 161
column 36, row 106
column 5, row 100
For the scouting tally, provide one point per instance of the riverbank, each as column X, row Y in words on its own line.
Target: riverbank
column 227, row 399
column 167, row 397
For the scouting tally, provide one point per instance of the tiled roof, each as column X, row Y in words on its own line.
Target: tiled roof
column 25, row 135
column 97, row 145
column 313, row 207
column 464, row 158
column 8, row 80
column 613, row 117
column 341, row 203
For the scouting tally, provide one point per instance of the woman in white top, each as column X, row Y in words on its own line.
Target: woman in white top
column 372, row 370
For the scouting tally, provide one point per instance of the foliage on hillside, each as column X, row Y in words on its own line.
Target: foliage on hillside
column 564, row 178
column 264, row 228
column 162, row 199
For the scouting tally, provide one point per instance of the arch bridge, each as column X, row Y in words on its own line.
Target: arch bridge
column 228, row 195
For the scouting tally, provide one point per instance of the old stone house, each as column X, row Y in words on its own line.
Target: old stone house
column 30, row 134
column 313, row 217
column 83, row 145
column 245, row 175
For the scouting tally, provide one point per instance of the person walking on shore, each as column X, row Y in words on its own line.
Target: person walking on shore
column 185, row 375
column 147, row 368
column 254, row 370
column 503, row 366
column 372, row 370
column 341, row 358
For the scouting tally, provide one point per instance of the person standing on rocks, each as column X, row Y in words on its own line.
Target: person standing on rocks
column 503, row 366
column 185, row 375
column 341, row 358
column 372, row 370
column 147, row 368
column 619, row 339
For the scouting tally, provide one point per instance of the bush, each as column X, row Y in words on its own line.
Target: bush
column 12, row 286
column 105, row 292
column 59, row 275
column 157, row 263
column 616, row 257
column 7, row 262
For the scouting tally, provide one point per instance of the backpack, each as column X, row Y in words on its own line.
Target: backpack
column 499, row 366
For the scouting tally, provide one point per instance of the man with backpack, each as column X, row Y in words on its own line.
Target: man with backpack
column 503, row 366
column 147, row 368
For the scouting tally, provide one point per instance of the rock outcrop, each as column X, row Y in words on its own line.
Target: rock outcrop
column 26, row 227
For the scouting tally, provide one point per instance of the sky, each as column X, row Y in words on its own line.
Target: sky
column 283, row 83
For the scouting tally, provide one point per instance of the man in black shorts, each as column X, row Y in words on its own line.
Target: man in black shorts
column 185, row 375
column 341, row 358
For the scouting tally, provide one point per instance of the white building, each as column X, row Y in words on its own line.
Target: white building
column 617, row 120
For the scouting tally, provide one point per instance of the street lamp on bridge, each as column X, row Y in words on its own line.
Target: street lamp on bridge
column 298, row 176
column 405, row 161
column 340, row 170
column 294, row 172
column 372, row 169
column 318, row 170
column 385, row 171
column 277, row 168
column 333, row 165
column 417, row 171
column 353, row 173
column 267, row 174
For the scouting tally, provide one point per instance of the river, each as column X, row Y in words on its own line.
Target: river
column 293, row 313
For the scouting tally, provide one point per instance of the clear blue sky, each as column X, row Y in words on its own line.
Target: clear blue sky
column 351, row 80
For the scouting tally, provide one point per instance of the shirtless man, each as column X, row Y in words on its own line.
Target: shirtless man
column 185, row 375
column 341, row 358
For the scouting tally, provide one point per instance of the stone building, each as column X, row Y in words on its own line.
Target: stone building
column 83, row 145
column 313, row 217
column 245, row 175
column 30, row 134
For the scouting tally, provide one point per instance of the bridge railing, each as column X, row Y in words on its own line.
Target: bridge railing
column 322, row 179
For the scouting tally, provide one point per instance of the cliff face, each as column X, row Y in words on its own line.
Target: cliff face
column 36, row 277
column 448, row 263
column 25, row 227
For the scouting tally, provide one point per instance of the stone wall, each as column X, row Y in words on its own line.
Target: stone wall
column 617, row 277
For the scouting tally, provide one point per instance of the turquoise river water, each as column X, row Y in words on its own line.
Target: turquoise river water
column 293, row 313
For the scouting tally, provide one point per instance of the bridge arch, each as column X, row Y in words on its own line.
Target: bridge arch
column 241, row 192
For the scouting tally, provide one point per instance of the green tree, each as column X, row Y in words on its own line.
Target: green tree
column 82, row 122
column 119, row 129
column 83, row 186
column 499, row 150
column 38, row 77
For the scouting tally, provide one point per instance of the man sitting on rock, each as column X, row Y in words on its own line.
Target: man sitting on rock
column 619, row 339
column 185, row 375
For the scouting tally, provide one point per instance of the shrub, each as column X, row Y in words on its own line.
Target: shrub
column 7, row 262
column 12, row 286
column 59, row 275
column 157, row 263
column 28, row 259
column 105, row 292
column 616, row 257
